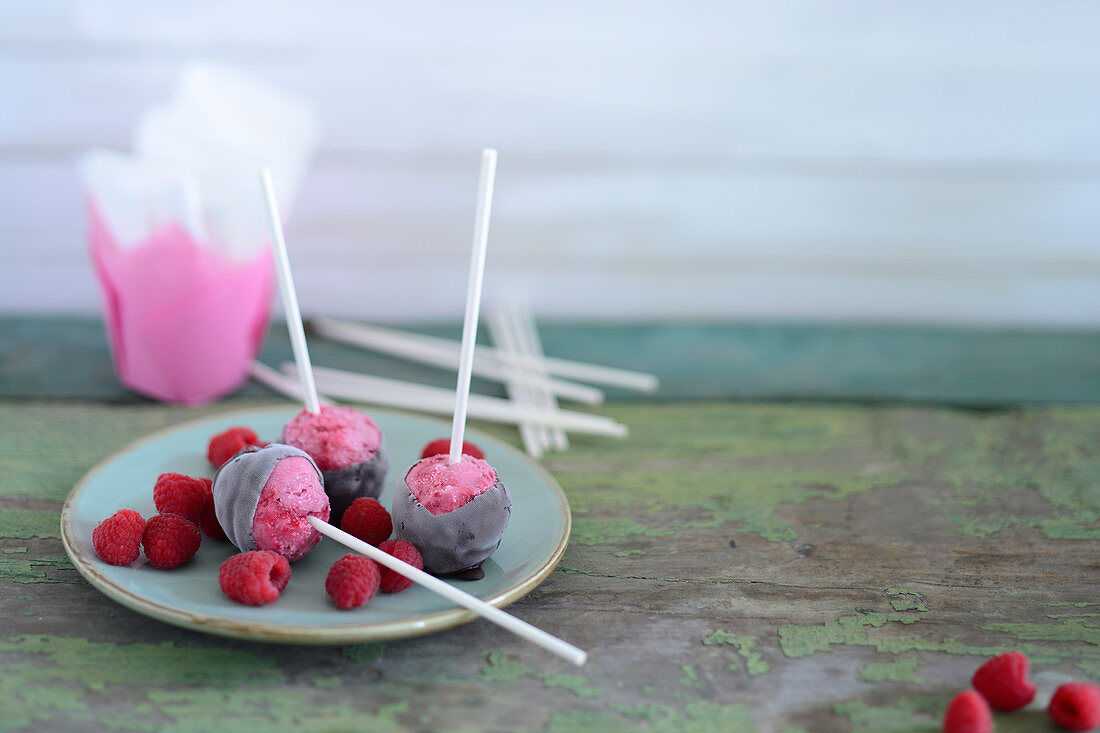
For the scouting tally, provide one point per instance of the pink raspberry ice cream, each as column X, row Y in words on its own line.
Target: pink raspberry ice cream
column 349, row 449
column 454, row 514
column 441, row 487
column 263, row 496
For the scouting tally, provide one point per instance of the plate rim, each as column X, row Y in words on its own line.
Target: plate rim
column 266, row 631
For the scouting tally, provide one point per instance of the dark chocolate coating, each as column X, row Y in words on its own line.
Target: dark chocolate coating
column 345, row 485
column 237, row 487
column 459, row 539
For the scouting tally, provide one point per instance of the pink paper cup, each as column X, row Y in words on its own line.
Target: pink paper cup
column 183, row 321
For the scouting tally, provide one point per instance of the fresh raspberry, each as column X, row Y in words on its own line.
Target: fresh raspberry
column 254, row 578
column 170, row 540
column 443, row 445
column 174, row 493
column 368, row 520
column 392, row 581
column 1003, row 682
column 208, row 522
column 968, row 713
column 1076, row 706
column 117, row 539
column 224, row 446
column 352, row 581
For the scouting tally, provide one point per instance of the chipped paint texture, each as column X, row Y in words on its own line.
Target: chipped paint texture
column 899, row 670
column 754, row 661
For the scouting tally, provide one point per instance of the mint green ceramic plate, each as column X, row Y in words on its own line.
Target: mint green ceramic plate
column 189, row 595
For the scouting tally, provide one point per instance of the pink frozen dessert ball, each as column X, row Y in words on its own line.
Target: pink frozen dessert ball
column 263, row 496
column 455, row 514
column 349, row 449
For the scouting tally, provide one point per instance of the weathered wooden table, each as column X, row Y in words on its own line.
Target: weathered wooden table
column 734, row 566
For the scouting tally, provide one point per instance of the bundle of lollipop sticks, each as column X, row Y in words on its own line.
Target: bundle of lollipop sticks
column 307, row 391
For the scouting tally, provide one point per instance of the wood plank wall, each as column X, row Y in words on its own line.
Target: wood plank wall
column 852, row 160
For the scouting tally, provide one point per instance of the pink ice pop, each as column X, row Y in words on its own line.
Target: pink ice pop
column 263, row 496
column 455, row 513
column 349, row 449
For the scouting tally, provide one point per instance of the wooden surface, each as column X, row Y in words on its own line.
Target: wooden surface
column 733, row 567
column 734, row 159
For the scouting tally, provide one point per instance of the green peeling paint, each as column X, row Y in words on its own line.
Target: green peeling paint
column 911, row 715
column 602, row 531
column 96, row 665
column 248, row 709
column 369, row 652
column 899, row 670
column 690, row 678
column 754, row 661
column 24, row 524
column 51, row 679
column 783, row 455
column 501, row 669
column 628, row 553
column 1052, row 452
column 906, row 604
column 1069, row 630
column 802, row 641
column 14, row 550
column 33, row 570
column 699, row 716
column 577, row 685
column 906, row 600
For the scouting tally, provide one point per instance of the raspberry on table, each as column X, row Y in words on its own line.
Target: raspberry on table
column 170, row 540
column 208, row 522
column 352, row 581
column 1003, row 682
column 1076, row 706
column 225, row 445
column 968, row 712
column 368, row 520
column 174, row 493
column 117, row 539
column 392, row 581
column 443, row 445
column 254, row 578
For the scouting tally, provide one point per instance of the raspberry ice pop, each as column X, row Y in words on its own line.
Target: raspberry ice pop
column 263, row 496
column 454, row 513
column 349, row 449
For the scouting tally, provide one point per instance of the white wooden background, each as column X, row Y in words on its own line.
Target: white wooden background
column 927, row 162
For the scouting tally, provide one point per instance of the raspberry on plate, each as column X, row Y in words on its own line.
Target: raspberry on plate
column 368, row 520
column 443, row 445
column 117, row 539
column 393, row 582
column 968, row 712
column 208, row 522
column 1076, row 706
column 254, row 578
column 225, row 445
column 174, row 493
column 170, row 540
column 352, row 581
column 1003, row 682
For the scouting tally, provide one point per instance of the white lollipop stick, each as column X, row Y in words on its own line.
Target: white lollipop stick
column 491, row 613
column 473, row 299
column 290, row 299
